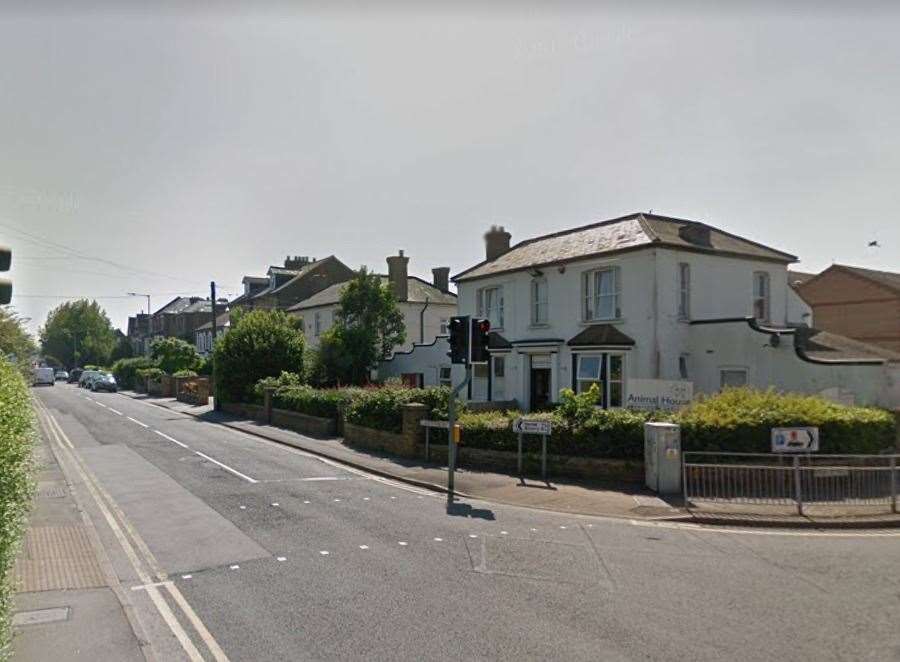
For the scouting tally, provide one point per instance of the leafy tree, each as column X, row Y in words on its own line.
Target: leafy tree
column 123, row 348
column 78, row 332
column 15, row 341
column 174, row 354
column 263, row 343
column 125, row 370
column 368, row 326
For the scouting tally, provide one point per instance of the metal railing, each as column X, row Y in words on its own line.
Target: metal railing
column 801, row 480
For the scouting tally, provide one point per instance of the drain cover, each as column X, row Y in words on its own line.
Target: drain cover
column 41, row 616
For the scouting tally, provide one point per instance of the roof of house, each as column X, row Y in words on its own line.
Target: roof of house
column 222, row 320
column 618, row 235
column 822, row 345
column 599, row 335
column 797, row 278
column 888, row 279
column 255, row 279
column 296, row 273
column 419, row 290
column 177, row 305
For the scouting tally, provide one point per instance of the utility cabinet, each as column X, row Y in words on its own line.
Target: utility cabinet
column 662, row 457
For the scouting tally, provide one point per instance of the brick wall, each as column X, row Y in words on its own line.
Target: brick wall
column 850, row 305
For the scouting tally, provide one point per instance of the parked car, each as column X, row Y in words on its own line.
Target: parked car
column 86, row 377
column 104, row 381
column 62, row 375
column 74, row 375
column 43, row 376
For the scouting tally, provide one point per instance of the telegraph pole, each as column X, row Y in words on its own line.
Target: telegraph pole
column 212, row 299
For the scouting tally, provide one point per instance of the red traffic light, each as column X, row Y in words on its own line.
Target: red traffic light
column 484, row 325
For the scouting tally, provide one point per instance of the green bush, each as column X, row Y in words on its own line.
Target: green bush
column 284, row 380
column 174, row 354
column 205, row 366
column 740, row 420
column 324, row 403
column 184, row 373
column 262, row 344
column 381, row 407
column 17, row 434
column 126, row 370
column 153, row 374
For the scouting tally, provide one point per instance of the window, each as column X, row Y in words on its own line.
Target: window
column 732, row 377
column 683, row 366
column 539, row 300
column 490, row 305
column 601, row 294
column 607, row 371
column 444, row 375
column 317, row 323
column 445, row 326
column 761, row 296
column 684, row 291
column 499, row 367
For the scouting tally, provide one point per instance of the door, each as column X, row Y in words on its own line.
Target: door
column 540, row 388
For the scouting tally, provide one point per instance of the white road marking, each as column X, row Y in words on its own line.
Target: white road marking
column 234, row 567
column 562, row 527
column 365, row 498
column 275, row 504
column 439, row 540
column 97, row 402
column 324, row 552
column 337, row 500
column 503, row 533
column 134, row 420
column 174, row 441
column 243, row 507
column 403, row 543
column 317, row 478
column 281, row 558
column 533, row 530
column 364, row 547
column 144, row 587
column 186, row 576
column 472, row 535
column 306, row 502
column 115, row 411
column 227, row 468
column 393, row 497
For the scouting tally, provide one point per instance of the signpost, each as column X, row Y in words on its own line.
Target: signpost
column 523, row 426
column 795, row 440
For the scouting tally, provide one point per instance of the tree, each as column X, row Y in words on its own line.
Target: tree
column 174, row 354
column 15, row 341
column 263, row 343
column 78, row 332
column 367, row 327
column 123, row 348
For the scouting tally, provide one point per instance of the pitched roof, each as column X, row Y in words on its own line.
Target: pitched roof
column 418, row 290
column 889, row 279
column 622, row 234
column 797, row 278
column 255, row 279
column 221, row 321
column 177, row 305
column 825, row 346
column 597, row 335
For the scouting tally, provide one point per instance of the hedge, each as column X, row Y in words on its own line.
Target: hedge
column 17, row 435
column 126, row 370
column 740, row 420
column 381, row 407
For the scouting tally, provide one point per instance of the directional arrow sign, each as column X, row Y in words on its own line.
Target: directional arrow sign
column 526, row 426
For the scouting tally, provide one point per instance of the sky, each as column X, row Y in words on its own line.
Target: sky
column 154, row 152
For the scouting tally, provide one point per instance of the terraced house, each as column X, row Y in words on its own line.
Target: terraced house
column 650, row 307
column 298, row 279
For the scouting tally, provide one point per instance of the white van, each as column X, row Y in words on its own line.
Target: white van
column 44, row 376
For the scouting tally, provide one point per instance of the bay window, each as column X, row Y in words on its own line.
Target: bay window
column 607, row 371
column 601, row 294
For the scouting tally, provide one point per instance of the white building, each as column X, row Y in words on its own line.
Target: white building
column 426, row 307
column 645, row 297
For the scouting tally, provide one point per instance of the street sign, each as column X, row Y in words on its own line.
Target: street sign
column 526, row 426
column 795, row 440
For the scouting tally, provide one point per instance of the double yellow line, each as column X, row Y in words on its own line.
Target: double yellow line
column 148, row 570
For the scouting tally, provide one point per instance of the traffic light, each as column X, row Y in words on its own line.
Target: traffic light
column 478, row 340
column 459, row 339
column 5, row 284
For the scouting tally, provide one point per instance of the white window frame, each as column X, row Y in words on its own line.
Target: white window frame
column 540, row 301
column 762, row 296
column 445, row 326
column 317, row 324
column 445, row 375
column 683, row 366
column 602, row 377
column 489, row 303
column 591, row 298
column 684, row 291
column 499, row 367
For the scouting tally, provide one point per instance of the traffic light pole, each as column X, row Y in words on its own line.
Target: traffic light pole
column 451, row 423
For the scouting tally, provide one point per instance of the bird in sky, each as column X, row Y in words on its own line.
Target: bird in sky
column 874, row 244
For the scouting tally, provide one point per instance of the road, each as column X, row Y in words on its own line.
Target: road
column 274, row 554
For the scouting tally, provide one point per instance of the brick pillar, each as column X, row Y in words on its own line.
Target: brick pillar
column 267, row 405
column 413, row 432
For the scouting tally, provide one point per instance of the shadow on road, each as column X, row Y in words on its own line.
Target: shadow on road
column 455, row 509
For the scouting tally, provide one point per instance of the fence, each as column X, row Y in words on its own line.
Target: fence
column 799, row 480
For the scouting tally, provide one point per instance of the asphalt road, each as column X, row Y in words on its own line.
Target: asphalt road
column 283, row 556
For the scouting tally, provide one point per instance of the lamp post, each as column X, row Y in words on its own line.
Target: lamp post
column 137, row 294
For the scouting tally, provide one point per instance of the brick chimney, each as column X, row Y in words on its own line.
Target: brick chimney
column 397, row 274
column 496, row 242
column 441, row 278
column 297, row 261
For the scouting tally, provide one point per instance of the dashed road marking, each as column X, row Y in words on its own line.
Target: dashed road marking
column 503, row 533
column 472, row 535
column 186, row 576
column 243, row 507
column 324, row 552
column 227, row 468
column 174, row 441
column 306, row 502
column 134, row 420
column 275, row 504
column 403, row 543
column 281, row 558
column 115, row 411
column 97, row 402
column 364, row 547
column 439, row 540
column 235, row 567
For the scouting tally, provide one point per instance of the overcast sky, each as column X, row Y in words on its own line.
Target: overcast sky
column 179, row 148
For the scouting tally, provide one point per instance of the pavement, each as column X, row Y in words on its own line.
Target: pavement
column 599, row 499
column 221, row 545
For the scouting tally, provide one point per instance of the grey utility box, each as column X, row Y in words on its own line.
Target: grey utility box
column 662, row 457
